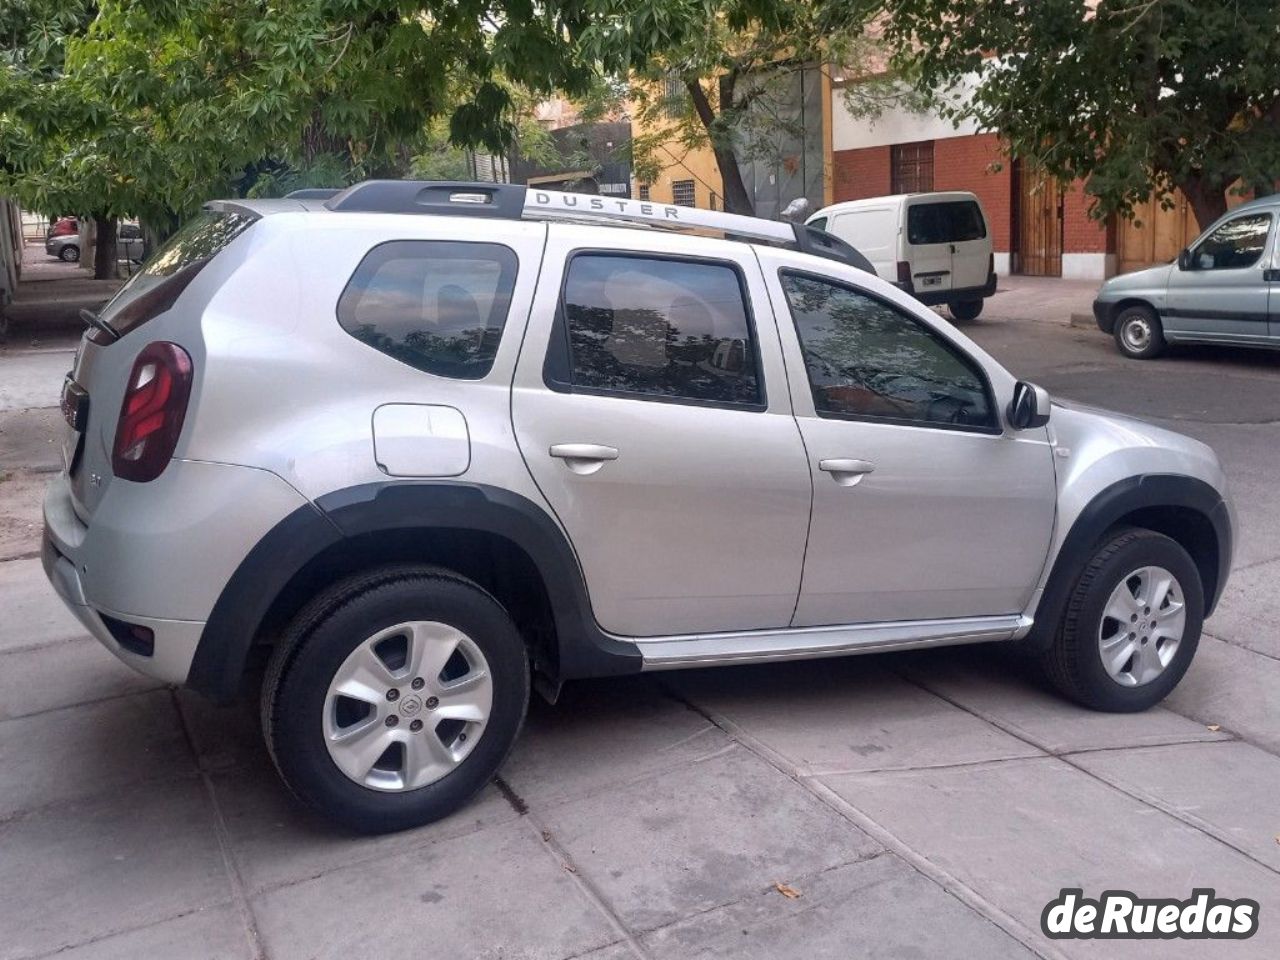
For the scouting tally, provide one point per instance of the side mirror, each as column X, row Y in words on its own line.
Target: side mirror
column 1184, row 259
column 1029, row 407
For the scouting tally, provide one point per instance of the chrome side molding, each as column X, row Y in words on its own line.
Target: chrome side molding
column 708, row 649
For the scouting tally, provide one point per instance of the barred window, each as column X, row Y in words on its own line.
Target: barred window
column 644, row 191
column 911, row 167
column 682, row 193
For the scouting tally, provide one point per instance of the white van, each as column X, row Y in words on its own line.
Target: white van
column 933, row 245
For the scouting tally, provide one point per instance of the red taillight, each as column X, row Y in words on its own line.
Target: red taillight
column 155, row 403
column 904, row 274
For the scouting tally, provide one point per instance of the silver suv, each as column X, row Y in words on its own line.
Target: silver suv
column 416, row 444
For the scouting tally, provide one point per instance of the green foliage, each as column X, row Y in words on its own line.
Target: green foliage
column 1136, row 95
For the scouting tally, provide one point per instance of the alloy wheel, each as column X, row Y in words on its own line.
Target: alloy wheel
column 407, row 706
column 1142, row 626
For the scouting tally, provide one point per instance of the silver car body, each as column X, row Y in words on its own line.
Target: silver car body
column 1198, row 302
column 130, row 244
column 708, row 535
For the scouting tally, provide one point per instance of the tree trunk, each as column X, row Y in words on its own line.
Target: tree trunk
column 1207, row 202
column 104, row 248
column 736, row 198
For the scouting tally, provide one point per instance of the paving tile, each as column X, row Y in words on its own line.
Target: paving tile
column 31, row 614
column 846, row 715
column 879, row 908
column 495, row 893
column 213, row 933
column 64, row 674
column 276, row 840
column 701, row 835
column 601, row 733
column 1234, row 687
column 614, row 951
column 999, row 689
column 1018, row 831
column 1232, row 787
column 79, row 751
column 80, row 871
column 1248, row 615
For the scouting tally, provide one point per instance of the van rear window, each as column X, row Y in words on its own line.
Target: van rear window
column 949, row 221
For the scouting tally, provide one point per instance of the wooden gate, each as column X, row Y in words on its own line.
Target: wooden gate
column 1039, row 224
column 1155, row 235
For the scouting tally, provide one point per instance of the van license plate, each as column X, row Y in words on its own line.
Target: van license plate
column 931, row 282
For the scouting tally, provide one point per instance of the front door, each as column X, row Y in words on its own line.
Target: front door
column 924, row 508
column 650, row 404
column 1039, row 224
column 1223, row 294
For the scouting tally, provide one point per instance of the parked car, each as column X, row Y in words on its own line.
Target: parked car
column 129, row 244
column 1223, row 288
column 416, row 442
column 935, row 246
column 64, row 226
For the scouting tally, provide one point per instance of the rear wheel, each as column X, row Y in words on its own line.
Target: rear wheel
column 1131, row 626
column 394, row 697
column 965, row 310
column 1138, row 333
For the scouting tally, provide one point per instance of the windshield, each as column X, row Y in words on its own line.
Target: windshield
column 199, row 240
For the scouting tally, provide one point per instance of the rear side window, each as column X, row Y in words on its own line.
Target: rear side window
column 437, row 305
column 952, row 221
column 656, row 328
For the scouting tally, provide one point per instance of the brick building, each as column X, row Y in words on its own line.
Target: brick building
column 1037, row 225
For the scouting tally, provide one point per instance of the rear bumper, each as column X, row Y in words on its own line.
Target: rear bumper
column 156, row 555
column 933, row 298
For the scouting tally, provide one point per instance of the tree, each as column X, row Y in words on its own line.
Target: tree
column 718, row 73
column 153, row 106
column 1136, row 96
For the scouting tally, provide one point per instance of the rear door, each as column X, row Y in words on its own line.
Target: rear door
column 1224, row 295
column 650, row 404
column 928, row 232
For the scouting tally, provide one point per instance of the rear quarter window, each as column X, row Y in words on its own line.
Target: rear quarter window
column 439, row 306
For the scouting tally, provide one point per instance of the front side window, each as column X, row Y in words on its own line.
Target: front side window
column 658, row 328
column 867, row 359
column 951, row 221
column 1237, row 243
column 437, row 305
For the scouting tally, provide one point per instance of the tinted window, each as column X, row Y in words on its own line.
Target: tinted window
column 818, row 223
column 667, row 328
column 868, row 359
column 1237, row 243
column 179, row 259
column 951, row 222
column 436, row 305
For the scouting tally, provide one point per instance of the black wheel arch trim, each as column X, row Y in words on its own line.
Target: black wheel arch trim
column 1108, row 508
column 584, row 649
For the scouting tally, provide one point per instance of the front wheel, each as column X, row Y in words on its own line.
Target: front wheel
column 1138, row 333
column 1131, row 626
column 395, row 697
column 965, row 310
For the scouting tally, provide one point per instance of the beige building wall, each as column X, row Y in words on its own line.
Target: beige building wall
column 684, row 165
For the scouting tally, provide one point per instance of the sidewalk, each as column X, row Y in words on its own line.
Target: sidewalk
column 50, row 296
column 1051, row 299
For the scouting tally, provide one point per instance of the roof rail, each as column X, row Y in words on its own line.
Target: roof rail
column 512, row 201
column 312, row 193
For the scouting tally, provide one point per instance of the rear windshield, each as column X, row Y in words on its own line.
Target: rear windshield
column 950, row 221
column 186, row 252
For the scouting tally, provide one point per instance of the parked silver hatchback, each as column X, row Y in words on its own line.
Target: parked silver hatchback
column 1223, row 288
column 419, row 448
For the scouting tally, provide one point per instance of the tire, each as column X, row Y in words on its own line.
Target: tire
column 964, row 311
column 1138, row 333
column 1074, row 663
column 69, row 254
column 301, row 713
